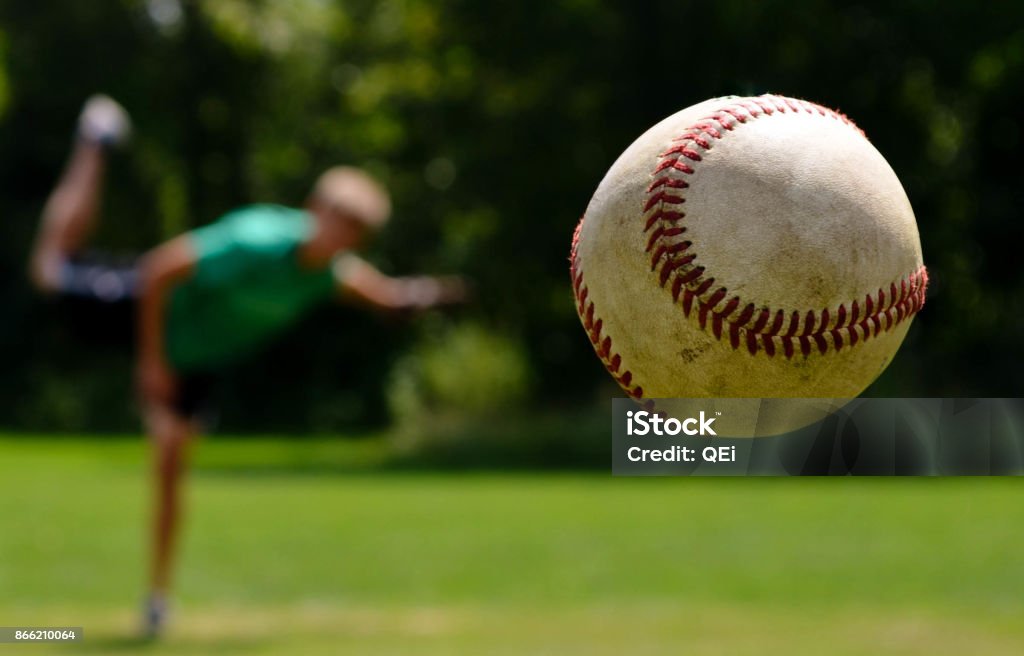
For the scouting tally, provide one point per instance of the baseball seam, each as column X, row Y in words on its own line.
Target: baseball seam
column 759, row 329
column 594, row 326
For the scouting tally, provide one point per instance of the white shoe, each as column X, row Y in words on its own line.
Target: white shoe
column 104, row 121
column 154, row 616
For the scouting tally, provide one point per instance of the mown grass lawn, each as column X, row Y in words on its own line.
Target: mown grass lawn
column 308, row 546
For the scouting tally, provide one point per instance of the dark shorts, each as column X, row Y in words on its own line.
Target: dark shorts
column 99, row 294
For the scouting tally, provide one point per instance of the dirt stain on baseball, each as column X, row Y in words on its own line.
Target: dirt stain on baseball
column 689, row 355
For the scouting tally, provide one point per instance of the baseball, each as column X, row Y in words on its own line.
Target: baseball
column 748, row 247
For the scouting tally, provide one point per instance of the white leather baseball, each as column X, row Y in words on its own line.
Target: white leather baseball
column 748, row 247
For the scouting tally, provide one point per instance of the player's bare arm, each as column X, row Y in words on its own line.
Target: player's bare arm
column 161, row 269
column 361, row 282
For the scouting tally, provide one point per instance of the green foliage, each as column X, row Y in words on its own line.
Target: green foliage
column 491, row 123
column 459, row 372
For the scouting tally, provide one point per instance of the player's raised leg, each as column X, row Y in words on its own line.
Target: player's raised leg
column 70, row 214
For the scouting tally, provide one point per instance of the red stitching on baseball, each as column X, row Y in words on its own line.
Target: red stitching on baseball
column 602, row 343
column 663, row 215
column 770, row 328
column 829, row 329
column 668, row 182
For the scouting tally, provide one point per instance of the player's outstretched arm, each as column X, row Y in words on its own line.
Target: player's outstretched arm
column 162, row 269
column 361, row 282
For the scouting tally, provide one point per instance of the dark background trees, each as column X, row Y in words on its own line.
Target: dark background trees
column 492, row 123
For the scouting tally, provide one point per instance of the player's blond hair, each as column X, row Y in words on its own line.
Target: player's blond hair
column 354, row 192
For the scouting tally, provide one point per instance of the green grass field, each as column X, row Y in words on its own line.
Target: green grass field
column 305, row 547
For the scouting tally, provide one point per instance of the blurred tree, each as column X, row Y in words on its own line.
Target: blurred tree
column 492, row 123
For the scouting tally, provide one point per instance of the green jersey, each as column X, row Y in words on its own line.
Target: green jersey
column 247, row 286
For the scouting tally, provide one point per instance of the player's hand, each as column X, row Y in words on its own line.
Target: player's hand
column 452, row 290
column 418, row 293
column 156, row 381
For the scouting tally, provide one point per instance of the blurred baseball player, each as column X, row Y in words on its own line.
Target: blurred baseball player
column 207, row 298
